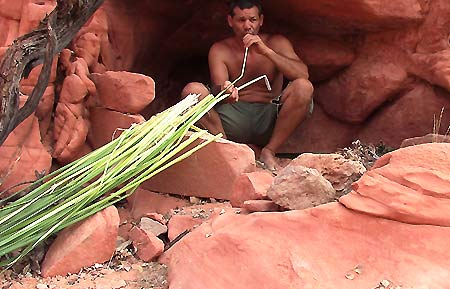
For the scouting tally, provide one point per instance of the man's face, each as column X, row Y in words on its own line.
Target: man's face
column 245, row 21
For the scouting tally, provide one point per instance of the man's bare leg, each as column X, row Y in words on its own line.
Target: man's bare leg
column 296, row 99
column 211, row 121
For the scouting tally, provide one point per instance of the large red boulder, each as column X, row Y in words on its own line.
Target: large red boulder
column 324, row 247
column 416, row 113
column 210, row 172
column 123, row 91
column 90, row 241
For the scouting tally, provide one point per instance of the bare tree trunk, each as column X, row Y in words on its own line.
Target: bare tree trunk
column 53, row 34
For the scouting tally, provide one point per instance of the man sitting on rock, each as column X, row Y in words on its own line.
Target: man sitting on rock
column 255, row 115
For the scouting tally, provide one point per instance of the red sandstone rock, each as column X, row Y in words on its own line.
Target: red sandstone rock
column 111, row 58
column 45, row 107
column 142, row 202
column 411, row 115
column 152, row 226
column 429, row 138
column 9, row 31
column 209, row 173
column 83, row 244
column 70, row 131
column 260, row 206
column 319, row 133
column 33, row 13
column 107, row 125
column 322, row 247
column 340, row 172
column 250, row 186
column 2, row 52
column 124, row 215
column 409, row 185
column 124, row 91
column 157, row 217
column 365, row 14
column 22, row 154
column 352, row 99
column 298, row 187
column 11, row 9
column 87, row 46
column 73, row 90
column 324, row 57
column 180, row 223
column 148, row 245
column 32, row 79
column 124, row 230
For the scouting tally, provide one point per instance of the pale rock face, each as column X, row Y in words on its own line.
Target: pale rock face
column 340, row 172
column 297, row 187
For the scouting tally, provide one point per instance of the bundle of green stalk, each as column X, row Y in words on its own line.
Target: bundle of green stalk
column 103, row 177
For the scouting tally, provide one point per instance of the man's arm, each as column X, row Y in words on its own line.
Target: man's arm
column 219, row 72
column 282, row 55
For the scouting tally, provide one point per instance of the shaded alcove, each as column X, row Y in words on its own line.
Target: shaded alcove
column 169, row 40
column 349, row 48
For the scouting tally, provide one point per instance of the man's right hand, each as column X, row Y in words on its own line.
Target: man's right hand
column 234, row 95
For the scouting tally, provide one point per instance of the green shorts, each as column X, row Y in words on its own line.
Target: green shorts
column 250, row 123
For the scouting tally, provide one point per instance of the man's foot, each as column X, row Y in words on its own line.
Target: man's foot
column 268, row 158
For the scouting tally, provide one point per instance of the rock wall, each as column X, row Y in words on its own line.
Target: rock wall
column 85, row 105
column 380, row 71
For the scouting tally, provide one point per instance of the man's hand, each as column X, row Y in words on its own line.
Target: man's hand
column 260, row 46
column 234, row 95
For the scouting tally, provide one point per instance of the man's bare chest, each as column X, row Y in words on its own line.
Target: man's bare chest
column 256, row 66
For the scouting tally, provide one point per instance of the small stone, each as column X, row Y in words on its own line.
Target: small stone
column 350, row 276
column 41, row 286
column 385, row 283
column 152, row 226
column 208, row 235
column 194, row 200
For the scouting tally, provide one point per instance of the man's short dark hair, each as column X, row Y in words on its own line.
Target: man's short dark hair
column 245, row 4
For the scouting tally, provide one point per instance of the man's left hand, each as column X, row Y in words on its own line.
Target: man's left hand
column 256, row 41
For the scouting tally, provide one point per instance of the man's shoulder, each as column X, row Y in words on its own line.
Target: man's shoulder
column 221, row 47
column 222, row 44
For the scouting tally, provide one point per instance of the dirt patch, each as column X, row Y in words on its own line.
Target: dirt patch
column 122, row 271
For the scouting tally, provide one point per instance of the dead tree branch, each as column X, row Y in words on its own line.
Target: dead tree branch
column 39, row 46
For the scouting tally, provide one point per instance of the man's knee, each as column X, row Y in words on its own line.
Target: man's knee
column 195, row 88
column 301, row 90
column 303, row 86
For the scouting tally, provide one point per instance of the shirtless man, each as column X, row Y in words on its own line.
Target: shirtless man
column 250, row 116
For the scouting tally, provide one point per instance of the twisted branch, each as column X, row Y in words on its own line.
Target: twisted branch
column 26, row 52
